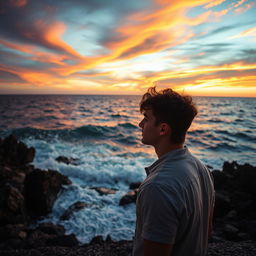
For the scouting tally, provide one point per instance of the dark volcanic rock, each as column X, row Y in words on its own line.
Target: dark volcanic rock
column 222, row 204
column 235, row 204
column 134, row 185
column 128, row 198
column 51, row 229
column 41, row 189
column 11, row 205
column 105, row 191
column 26, row 193
column 66, row 160
column 65, row 240
column 15, row 153
column 220, row 179
column 73, row 208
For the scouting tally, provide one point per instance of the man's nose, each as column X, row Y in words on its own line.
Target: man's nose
column 141, row 124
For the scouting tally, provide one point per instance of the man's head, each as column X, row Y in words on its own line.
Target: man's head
column 166, row 113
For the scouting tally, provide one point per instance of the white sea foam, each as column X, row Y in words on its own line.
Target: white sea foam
column 99, row 166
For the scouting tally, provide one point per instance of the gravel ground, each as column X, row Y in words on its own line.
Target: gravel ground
column 123, row 248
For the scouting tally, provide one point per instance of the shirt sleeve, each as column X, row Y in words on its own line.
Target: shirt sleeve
column 159, row 213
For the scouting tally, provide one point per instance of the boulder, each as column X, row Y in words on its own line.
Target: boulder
column 66, row 160
column 65, row 241
column 222, row 204
column 41, row 189
column 73, row 208
column 129, row 198
column 104, row 191
column 11, row 205
column 220, row 179
column 17, row 231
column 134, row 185
column 51, row 229
column 246, row 178
column 15, row 153
column 231, row 232
column 27, row 193
column 97, row 240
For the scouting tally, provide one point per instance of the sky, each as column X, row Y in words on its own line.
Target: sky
column 196, row 47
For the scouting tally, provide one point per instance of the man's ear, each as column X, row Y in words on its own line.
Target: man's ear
column 165, row 129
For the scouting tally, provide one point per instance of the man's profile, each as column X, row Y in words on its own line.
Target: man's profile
column 175, row 202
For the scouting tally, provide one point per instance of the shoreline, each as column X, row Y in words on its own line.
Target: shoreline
column 234, row 227
column 124, row 248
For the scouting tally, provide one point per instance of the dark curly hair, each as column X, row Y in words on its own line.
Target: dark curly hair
column 172, row 108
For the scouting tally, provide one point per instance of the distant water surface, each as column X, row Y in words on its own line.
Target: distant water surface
column 102, row 133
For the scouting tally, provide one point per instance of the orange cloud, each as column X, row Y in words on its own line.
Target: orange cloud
column 52, row 35
column 248, row 32
column 214, row 3
column 35, row 54
column 157, row 30
column 237, row 74
column 244, row 8
column 238, row 3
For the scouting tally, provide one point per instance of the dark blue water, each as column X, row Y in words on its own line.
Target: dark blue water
column 102, row 133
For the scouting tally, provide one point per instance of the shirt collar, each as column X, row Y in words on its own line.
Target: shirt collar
column 167, row 156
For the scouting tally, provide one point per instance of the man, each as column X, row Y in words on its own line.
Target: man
column 175, row 201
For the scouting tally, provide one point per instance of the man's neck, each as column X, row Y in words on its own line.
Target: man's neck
column 163, row 149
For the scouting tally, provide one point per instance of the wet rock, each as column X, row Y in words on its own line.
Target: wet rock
column 27, row 192
column 128, row 198
column 97, row 240
column 134, row 185
column 15, row 153
column 6, row 173
column 243, row 236
column 220, row 179
column 66, row 160
column 73, row 208
column 104, row 191
column 222, row 204
column 65, row 240
column 51, row 229
column 231, row 232
column 232, row 214
column 41, row 189
column 9, row 231
column 11, row 205
column 241, row 177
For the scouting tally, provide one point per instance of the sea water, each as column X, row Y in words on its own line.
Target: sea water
column 101, row 132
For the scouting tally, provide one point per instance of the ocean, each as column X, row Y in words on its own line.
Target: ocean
column 101, row 132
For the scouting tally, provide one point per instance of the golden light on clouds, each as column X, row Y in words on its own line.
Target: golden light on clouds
column 188, row 45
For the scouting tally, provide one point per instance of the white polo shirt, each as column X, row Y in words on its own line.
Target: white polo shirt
column 174, row 204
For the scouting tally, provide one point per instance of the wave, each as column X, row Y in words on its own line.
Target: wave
column 122, row 133
column 237, row 135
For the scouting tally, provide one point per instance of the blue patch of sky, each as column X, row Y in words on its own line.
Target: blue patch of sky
column 216, row 40
column 85, row 33
column 88, row 25
column 14, row 52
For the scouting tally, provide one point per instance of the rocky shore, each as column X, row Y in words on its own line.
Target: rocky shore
column 27, row 194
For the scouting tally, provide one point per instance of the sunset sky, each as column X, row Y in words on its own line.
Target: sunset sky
column 124, row 46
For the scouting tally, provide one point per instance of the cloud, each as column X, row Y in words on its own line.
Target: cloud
column 248, row 32
column 7, row 77
column 214, row 3
column 78, row 44
column 238, row 3
column 244, row 8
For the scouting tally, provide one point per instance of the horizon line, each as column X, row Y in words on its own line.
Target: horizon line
column 59, row 94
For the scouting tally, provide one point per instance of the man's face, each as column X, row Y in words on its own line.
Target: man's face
column 150, row 131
